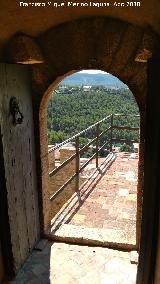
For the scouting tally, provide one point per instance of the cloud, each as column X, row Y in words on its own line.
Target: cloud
column 91, row 71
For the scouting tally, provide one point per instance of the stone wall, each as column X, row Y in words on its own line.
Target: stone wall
column 51, row 159
column 27, row 20
column 60, row 178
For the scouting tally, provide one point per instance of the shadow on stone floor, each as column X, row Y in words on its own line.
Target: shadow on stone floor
column 63, row 263
column 77, row 200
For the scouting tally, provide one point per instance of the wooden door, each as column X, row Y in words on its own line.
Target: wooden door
column 18, row 154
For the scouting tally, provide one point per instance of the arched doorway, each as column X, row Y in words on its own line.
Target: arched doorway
column 114, row 115
column 107, row 56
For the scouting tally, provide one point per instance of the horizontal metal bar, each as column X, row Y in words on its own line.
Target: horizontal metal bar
column 125, row 127
column 54, row 195
column 87, row 163
column 82, row 150
column 109, row 128
column 78, row 134
column 87, row 129
column 103, row 146
column 122, row 114
column 125, row 140
column 62, row 165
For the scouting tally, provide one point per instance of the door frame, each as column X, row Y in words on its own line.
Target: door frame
column 151, row 192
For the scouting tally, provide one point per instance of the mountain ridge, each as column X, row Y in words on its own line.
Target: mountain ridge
column 100, row 79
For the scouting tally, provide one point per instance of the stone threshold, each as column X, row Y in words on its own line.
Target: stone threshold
column 111, row 238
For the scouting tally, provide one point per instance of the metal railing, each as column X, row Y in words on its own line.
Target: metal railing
column 98, row 148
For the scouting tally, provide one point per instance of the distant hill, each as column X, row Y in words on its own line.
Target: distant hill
column 106, row 80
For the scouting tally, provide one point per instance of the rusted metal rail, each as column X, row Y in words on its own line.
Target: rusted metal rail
column 79, row 134
column 79, row 151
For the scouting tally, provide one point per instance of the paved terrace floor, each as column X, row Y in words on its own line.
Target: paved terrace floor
column 103, row 212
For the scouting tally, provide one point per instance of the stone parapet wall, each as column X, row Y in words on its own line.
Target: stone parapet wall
column 57, row 180
column 51, row 159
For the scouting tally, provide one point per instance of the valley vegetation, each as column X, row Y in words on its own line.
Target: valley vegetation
column 72, row 109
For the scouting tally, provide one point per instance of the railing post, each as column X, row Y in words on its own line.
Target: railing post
column 111, row 133
column 77, row 163
column 97, row 143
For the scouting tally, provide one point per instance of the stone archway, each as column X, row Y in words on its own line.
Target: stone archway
column 95, row 43
column 44, row 148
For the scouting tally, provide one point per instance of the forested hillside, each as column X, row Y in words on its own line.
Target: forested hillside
column 70, row 113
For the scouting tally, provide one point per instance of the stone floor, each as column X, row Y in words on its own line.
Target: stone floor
column 105, row 206
column 61, row 263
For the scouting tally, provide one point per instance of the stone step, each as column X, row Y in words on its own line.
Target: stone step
column 112, row 238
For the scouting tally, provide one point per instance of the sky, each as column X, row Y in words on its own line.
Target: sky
column 92, row 71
